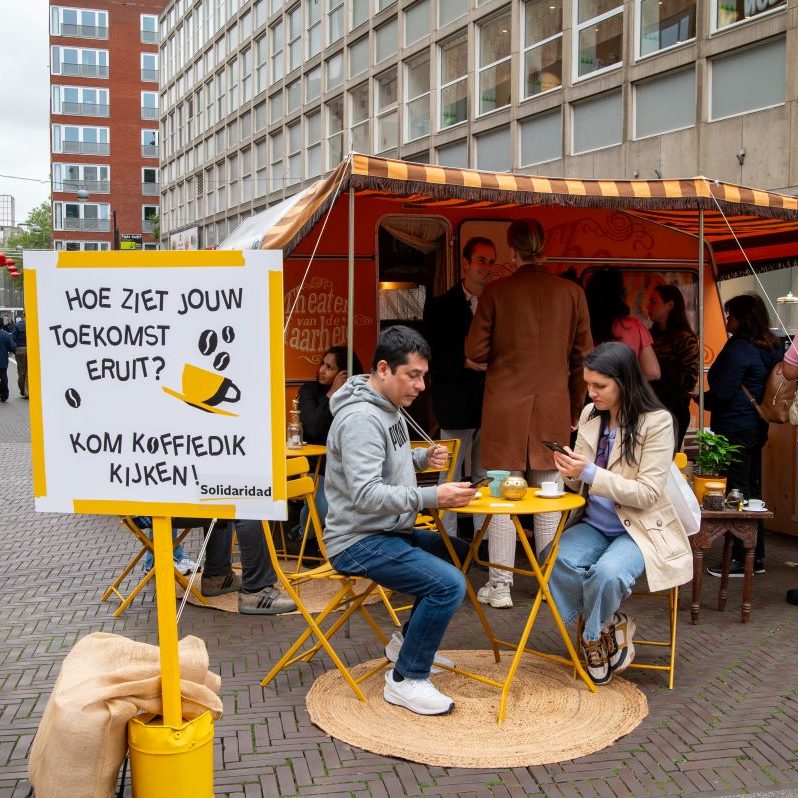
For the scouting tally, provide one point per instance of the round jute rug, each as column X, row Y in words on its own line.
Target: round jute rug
column 550, row 716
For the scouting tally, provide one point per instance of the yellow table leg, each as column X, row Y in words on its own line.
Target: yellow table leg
column 167, row 621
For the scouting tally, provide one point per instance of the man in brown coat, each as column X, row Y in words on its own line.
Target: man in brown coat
column 531, row 331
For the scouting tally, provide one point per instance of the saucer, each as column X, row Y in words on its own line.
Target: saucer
column 541, row 495
column 757, row 510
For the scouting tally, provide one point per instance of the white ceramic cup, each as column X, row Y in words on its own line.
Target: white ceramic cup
column 549, row 488
column 756, row 504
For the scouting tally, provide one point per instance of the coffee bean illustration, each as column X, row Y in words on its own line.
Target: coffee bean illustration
column 152, row 445
column 228, row 334
column 221, row 361
column 72, row 397
column 208, row 342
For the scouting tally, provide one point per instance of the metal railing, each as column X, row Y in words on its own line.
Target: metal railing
column 146, row 226
column 86, row 147
column 84, row 31
column 150, row 189
column 84, row 70
column 87, row 225
column 149, row 150
column 148, row 113
column 84, row 109
column 149, row 75
column 92, row 186
column 149, row 37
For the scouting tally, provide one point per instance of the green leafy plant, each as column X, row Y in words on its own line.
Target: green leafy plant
column 715, row 453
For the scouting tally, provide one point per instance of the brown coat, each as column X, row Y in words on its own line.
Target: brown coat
column 533, row 331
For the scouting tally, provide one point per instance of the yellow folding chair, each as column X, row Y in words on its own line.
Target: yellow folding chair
column 672, row 597
column 347, row 597
column 146, row 545
column 422, row 520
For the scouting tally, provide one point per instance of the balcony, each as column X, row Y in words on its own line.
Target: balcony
column 92, row 186
column 149, row 113
column 84, row 31
column 149, row 37
column 86, row 147
column 84, row 109
column 83, row 70
column 146, row 225
column 150, row 189
column 88, row 225
column 149, row 150
column 149, row 75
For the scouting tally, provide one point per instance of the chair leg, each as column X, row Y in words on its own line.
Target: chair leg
column 388, row 606
column 674, row 618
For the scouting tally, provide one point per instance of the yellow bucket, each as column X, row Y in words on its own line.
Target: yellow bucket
column 167, row 762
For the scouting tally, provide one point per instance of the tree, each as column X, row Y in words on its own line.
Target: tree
column 155, row 221
column 38, row 230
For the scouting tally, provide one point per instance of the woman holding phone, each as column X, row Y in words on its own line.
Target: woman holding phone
column 620, row 464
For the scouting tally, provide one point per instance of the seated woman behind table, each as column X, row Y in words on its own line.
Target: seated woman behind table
column 314, row 406
column 620, row 463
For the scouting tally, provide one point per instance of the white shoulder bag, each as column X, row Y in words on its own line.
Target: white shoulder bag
column 683, row 500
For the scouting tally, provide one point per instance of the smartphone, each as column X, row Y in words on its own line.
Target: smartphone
column 555, row 447
column 480, row 482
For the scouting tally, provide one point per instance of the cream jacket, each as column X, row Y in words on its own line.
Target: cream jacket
column 640, row 496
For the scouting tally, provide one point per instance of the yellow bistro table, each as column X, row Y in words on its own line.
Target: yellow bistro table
column 306, row 450
column 489, row 506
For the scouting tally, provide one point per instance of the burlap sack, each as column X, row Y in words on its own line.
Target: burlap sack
column 104, row 681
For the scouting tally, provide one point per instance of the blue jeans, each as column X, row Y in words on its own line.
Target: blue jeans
column 593, row 575
column 418, row 564
column 179, row 552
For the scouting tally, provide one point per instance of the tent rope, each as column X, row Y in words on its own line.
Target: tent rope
column 315, row 248
column 750, row 265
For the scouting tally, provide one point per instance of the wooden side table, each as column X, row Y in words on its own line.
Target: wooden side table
column 742, row 525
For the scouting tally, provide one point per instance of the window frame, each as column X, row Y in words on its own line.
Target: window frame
column 461, row 34
column 638, row 34
column 478, row 70
column 524, row 49
column 577, row 27
column 713, row 19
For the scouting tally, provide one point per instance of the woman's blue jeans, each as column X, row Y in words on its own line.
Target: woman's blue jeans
column 416, row 563
column 593, row 574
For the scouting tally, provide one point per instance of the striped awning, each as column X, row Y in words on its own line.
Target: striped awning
column 764, row 223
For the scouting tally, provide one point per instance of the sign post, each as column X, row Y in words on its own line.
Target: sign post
column 157, row 388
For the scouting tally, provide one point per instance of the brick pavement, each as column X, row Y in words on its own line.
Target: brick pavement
column 730, row 727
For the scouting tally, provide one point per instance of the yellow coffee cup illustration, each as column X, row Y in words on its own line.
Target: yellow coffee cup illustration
column 206, row 389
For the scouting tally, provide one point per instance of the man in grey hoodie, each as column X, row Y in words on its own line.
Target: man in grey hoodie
column 373, row 500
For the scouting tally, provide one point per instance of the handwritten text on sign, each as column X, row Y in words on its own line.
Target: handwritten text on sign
column 156, row 380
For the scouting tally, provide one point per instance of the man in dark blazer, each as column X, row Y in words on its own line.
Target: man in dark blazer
column 457, row 390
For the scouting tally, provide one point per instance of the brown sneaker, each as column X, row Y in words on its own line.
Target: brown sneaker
column 596, row 660
column 219, row 585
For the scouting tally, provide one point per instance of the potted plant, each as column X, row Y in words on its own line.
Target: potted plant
column 715, row 454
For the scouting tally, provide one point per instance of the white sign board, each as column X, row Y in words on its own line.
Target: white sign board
column 156, row 383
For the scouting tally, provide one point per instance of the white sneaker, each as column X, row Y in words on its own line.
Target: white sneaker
column 186, row 566
column 417, row 695
column 395, row 645
column 498, row 596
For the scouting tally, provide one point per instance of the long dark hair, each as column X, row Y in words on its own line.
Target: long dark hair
column 677, row 316
column 754, row 320
column 606, row 303
column 339, row 353
column 618, row 362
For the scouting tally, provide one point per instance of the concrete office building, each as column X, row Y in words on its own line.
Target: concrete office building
column 104, row 123
column 259, row 97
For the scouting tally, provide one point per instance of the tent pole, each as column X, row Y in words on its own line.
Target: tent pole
column 701, row 318
column 350, row 298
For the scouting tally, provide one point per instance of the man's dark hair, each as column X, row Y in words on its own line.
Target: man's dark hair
column 395, row 343
column 473, row 243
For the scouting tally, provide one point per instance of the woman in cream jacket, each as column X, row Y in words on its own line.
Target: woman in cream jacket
column 620, row 464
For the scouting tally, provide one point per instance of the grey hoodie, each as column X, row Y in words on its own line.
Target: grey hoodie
column 370, row 482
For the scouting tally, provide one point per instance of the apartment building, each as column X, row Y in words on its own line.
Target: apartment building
column 104, row 123
column 260, row 97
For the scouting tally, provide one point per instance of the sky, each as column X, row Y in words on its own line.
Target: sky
column 24, row 103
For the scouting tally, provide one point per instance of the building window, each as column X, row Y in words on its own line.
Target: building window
column 494, row 151
column 262, row 162
column 278, row 161
column 313, row 84
column 276, row 107
column 449, row 10
column 246, row 175
column 246, row 26
column 665, row 103
column 80, row 101
column 542, row 46
column 360, row 12
column 85, row 23
column 313, row 144
column 454, row 155
column 232, row 39
column 665, row 23
column 278, row 62
column 262, row 57
column 149, row 67
column 748, row 80
column 232, row 82
column 335, row 21
column 314, row 27
column 149, row 105
column 597, row 122
column 385, row 41
column 335, row 136
column 221, row 95
column 293, row 96
column 417, row 22
column 359, row 56
column 90, row 217
column 81, row 140
column 149, row 143
column 359, row 118
column 294, row 152
column 83, row 246
column 599, row 35
column 149, row 214
column 246, row 75
column 70, row 177
column 149, row 182
column 730, row 12
column 541, row 138
column 417, row 96
column 453, row 102
column 81, row 62
column 385, row 95
column 335, row 71
column 294, row 37
column 148, row 27
column 494, row 63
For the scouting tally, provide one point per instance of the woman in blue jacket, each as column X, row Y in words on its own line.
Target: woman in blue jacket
column 746, row 359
